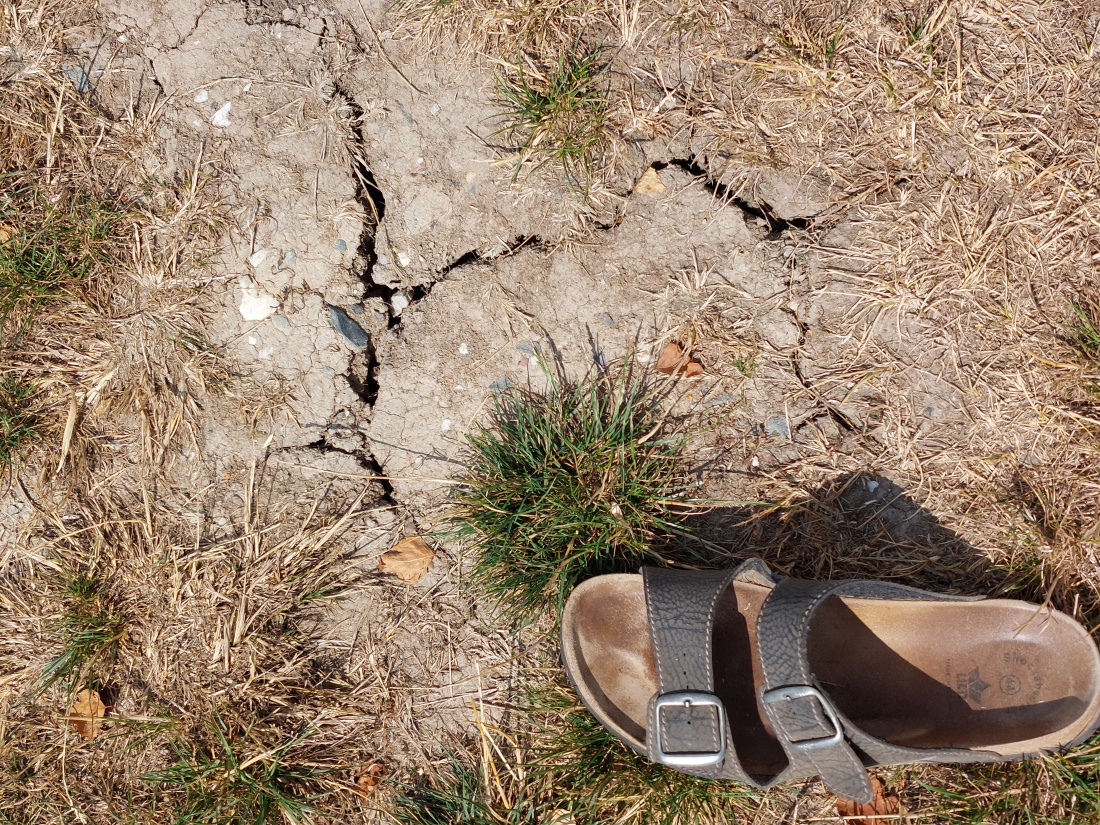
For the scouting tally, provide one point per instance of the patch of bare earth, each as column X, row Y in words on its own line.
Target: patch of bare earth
column 869, row 222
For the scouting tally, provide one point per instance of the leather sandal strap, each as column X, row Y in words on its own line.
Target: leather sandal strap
column 686, row 727
column 801, row 715
column 810, row 730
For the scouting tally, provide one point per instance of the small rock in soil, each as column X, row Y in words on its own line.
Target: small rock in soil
column 398, row 303
column 355, row 335
column 221, row 117
column 257, row 258
column 256, row 304
column 777, row 425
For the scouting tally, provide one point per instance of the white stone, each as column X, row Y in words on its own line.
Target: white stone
column 221, row 117
column 255, row 303
column 202, row 96
column 399, row 302
column 446, row 425
column 463, row 348
column 257, row 258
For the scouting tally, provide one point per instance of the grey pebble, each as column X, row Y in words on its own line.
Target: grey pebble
column 280, row 322
column 724, row 398
column 502, row 384
column 607, row 320
column 354, row 334
column 77, row 75
column 342, row 245
column 777, row 425
column 290, row 257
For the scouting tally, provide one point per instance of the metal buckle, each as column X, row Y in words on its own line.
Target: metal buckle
column 689, row 699
column 787, row 694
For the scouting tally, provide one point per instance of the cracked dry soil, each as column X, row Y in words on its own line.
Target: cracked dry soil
column 393, row 279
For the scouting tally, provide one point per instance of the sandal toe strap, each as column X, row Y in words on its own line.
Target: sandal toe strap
column 815, row 737
column 686, row 727
column 800, row 713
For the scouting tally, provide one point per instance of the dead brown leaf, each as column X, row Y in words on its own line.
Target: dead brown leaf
column 370, row 777
column 409, row 559
column 674, row 361
column 885, row 803
column 5, row 234
column 649, row 183
column 86, row 713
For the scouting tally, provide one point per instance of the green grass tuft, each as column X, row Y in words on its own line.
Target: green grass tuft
column 558, row 114
column 566, row 484
column 44, row 252
column 89, row 631
column 217, row 784
column 1084, row 334
column 458, row 797
column 19, row 421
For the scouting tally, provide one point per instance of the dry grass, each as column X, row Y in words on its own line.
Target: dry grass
column 207, row 654
column 116, row 327
column 958, row 143
column 960, row 248
column 552, row 762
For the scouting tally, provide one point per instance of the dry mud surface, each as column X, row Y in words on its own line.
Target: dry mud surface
column 383, row 277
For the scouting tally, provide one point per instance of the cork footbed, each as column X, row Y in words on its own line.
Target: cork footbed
column 1001, row 676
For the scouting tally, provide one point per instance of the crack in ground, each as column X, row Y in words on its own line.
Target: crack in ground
column 476, row 256
column 366, row 460
column 842, row 421
column 364, row 381
column 761, row 210
column 415, row 294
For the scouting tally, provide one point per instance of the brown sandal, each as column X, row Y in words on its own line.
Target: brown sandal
column 746, row 675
